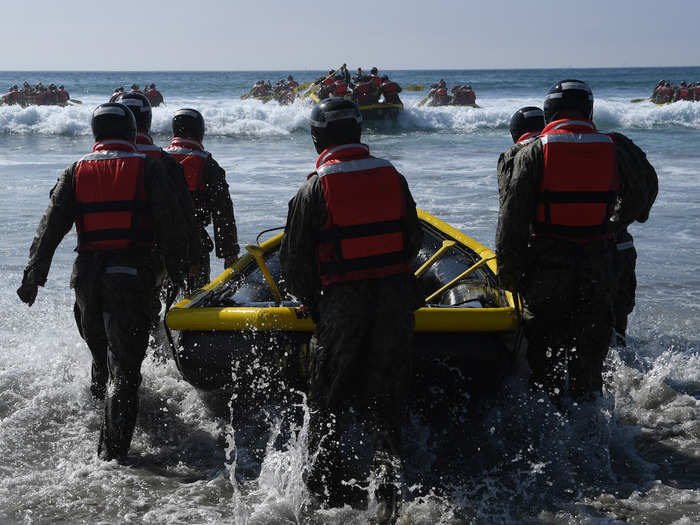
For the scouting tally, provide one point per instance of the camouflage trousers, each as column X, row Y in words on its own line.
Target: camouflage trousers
column 361, row 361
column 113, row 311
column 568, row 299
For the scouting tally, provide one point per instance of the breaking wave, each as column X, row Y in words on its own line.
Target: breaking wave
column 254, row 119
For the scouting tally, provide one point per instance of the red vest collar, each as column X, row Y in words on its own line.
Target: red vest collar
column 571, row 126
column 342, row 152
column 114, row 144
column 143, row 138
column 529, row 135
column 180, row 142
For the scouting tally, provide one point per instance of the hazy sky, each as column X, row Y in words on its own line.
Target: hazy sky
column 298, row 34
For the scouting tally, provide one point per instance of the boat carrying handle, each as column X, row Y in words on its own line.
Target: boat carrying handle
column 461, row 276
column 258, row 254
column 446, row 245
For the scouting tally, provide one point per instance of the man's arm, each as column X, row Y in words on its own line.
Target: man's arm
column 221, row 208
column 516, row 214
column 56, row 222
column 298, row 259
column 639, row 184
column 411, row 224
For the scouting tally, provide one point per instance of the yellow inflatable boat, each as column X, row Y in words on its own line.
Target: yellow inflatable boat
column 246, row 315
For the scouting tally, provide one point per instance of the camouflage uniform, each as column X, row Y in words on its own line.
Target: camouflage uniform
column 216, row 207
column 361, row 349
column 567, row 288
column 504, row 169
column 113, row 295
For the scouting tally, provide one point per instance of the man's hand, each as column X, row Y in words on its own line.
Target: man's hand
column 27, row 293
column 230, row 261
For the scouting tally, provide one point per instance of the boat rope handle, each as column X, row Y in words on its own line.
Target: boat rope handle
column 461, row 276
column 446, row 245
column 257, row 252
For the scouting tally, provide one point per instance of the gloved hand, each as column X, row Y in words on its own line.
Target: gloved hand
column 27, row 292
column 230, row 261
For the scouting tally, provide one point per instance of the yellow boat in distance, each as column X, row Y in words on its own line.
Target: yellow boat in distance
column 378, row 111
column 467, row 324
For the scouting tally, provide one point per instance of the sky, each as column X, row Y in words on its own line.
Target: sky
column 300, row 34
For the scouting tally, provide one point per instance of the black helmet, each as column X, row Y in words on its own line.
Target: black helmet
column 683, row 83
column 140, row 107
column 385, row 78
column 335, row 121
column 526, row 119
column 568, row 95
column 113, row 121
column 373, row 70
column 189, row 124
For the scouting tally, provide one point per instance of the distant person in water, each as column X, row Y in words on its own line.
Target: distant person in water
column 389, row 90
column 116, row 93
column 122, row 206
column 154, row 96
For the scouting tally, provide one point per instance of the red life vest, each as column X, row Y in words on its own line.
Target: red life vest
column 529, row 137
column 144, row 143
column 363, row 237
column 293, row 84
column 390, row 89
column 579, row 182
column 340, row 88
column 193, row 159
column 697, row 93
column 442, row 93
column 63, row 95
column 363, row 89
column 111, row 199
column 329, row 82
column 683, row 93
column 376, row 81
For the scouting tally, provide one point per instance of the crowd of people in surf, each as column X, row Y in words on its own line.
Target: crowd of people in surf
column 665, row 92
column 150, row 92
column 362, row 88
column 38, row 95
column 284, row 91
column 462, row 95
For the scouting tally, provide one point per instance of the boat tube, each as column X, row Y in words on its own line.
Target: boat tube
column 246, row 318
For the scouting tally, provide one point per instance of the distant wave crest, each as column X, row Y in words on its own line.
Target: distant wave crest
column 253, row 119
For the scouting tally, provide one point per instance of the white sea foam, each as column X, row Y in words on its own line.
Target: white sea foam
column 250, row 118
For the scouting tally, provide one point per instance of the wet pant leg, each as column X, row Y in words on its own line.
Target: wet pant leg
column 88, row 317
column 126, row 312
column 591, row 327
column 336, row 354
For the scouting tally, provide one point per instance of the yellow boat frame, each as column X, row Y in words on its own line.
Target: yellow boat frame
column 186, row 316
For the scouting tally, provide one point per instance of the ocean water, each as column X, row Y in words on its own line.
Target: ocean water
column 632, row 458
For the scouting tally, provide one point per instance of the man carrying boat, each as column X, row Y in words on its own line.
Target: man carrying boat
column 154, row 96
column 390, row 90
column 526, row 124
column 351, row 234
column 206, row 181
column 141, row 109
column 572, row 190
column 128, row 224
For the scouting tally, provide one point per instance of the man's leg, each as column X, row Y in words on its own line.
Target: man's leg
column 127, row 313
column 88, row 317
